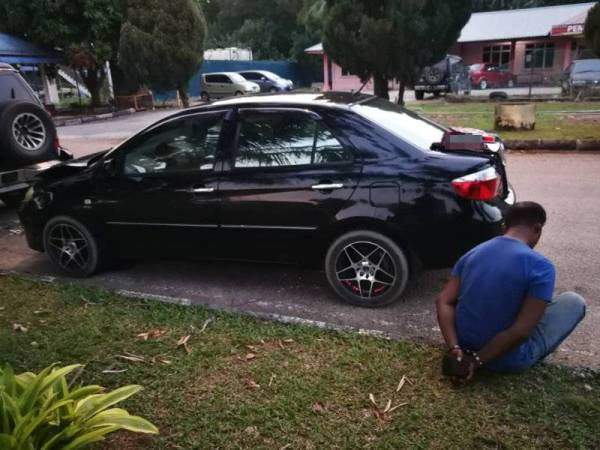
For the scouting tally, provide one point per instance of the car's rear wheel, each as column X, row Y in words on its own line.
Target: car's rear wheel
column 366, row 268
column 71, row 247
column 238, row 93
column 419, row 95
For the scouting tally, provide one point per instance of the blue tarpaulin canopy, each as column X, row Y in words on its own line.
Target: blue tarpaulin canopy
column 14, row 50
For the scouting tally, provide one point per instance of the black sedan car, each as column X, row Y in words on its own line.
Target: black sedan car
column 369, row 190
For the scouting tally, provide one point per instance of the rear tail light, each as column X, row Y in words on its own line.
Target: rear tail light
column 482, row 185
column 488, row 138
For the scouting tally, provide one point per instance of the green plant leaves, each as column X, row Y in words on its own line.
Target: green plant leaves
column 39, row 411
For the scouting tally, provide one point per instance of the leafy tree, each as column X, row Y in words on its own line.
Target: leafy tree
column 592, row 29
column 87, row 30
column 162, row 43
column 269, row 27
column 387, row 39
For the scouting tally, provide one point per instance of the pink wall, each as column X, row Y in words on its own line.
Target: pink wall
column 472, row 53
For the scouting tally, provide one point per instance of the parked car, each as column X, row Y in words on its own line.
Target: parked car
column 449, row 75
column 369, row 189
column 582, row 75
column 268, row 81
column 485, row 76
column 28, row 138
column 226, row 84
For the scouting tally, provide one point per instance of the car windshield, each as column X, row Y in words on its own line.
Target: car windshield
column 592, row 65
column 236, row 77
column 271, row 75
column 401, row 122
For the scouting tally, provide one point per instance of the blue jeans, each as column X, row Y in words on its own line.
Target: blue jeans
column 560, row 319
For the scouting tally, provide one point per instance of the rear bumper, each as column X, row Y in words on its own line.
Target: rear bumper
column 20, row 179
column 431, row 87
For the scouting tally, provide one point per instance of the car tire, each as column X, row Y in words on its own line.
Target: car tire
column 71, row 247
column 419, row 95
column 483, row 85
column 238, row 93
column 13, row 199
column 205, row 97
column 27, row 133
column 367, row 269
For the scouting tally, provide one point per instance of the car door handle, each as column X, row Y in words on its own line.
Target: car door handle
column 203, row 190
column 197, row 190
column 327, row 187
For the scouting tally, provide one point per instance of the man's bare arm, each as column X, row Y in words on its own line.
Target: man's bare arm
column 530, row 315
column 446, row 310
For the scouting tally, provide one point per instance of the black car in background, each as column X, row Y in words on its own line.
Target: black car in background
column 582, row 77
column 450, row 75
column 369, row 190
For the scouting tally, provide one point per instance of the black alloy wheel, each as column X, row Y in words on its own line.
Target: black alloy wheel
column 367, row 269
column 71, row 247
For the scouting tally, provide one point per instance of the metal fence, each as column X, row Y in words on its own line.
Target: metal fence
column 301, row 75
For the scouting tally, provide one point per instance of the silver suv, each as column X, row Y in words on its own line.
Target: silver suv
column 226, row 84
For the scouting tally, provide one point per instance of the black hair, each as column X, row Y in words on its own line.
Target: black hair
column 525, row 213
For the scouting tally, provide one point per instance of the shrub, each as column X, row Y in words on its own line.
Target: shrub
column 41, row 411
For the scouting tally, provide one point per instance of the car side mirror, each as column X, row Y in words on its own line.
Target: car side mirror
column 107, row 168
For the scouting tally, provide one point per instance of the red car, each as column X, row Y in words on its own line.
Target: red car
column 485, row 75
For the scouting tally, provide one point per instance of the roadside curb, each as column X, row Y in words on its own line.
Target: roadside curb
column 96, row 118
column 553, row 144
column 272, row 317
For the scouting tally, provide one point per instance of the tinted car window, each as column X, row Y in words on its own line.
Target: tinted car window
column 180, row 146
column 224, row 79
column 212, row 78
column 251, row 75
column 592, row 65
column 401, row 122
column 288, row 139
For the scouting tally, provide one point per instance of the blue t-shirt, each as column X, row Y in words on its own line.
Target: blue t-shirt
column 495, row 278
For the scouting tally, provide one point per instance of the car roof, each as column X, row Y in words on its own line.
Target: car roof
column 330, row 99
column 4, row 66
column 339, row 100
column 220, row 73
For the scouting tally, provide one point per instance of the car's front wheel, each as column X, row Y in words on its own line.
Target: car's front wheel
column 71, row 247
column 366, row 268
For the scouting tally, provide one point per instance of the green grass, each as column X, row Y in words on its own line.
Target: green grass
column 207, row 399
column 551, row 122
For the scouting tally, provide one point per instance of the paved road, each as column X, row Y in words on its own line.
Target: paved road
column 95, row 136
column 567, row 184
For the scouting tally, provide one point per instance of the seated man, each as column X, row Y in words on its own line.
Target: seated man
column 497, row 309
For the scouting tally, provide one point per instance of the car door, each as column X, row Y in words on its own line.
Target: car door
column 162, row 198
column 289, row 178
column 226, row 86
column 257, row 78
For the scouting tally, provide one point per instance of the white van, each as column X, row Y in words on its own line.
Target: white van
column 226, row 84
